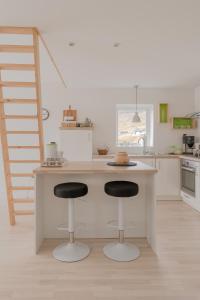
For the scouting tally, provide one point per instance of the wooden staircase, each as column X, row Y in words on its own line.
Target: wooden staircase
column 20, row 135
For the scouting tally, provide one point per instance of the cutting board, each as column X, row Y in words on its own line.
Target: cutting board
column 70, row 113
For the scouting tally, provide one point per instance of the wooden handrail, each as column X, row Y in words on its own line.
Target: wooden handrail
column 52, row 59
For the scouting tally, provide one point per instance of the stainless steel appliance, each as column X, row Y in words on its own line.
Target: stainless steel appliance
column 188, row 143
column 196, row 150
column 188, row 173
column 190, row 182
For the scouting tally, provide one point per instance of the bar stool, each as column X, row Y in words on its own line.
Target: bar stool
column 72, row 251
column 121, row 251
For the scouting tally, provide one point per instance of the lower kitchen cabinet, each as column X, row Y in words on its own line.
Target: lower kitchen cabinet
column 149, row 161
column 168, row 179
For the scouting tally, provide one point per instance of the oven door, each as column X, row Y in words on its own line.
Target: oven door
column 188, row 180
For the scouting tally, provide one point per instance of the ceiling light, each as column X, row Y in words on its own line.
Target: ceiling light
column 136, row 117
column 71, row 44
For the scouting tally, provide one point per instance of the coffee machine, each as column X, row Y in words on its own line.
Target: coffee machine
column 188, row 144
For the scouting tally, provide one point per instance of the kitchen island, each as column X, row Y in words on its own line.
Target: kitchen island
column 96, row 209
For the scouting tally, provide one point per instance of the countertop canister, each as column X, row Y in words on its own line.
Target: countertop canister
column 51, row 150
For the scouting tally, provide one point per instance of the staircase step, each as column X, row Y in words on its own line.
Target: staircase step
column 22, row 175
column 22, row 188
column 17, row 84
column 20, row 117
column 23, row 200
column 19, row 101
column 24, row 212
column 15, row 67
column 22, row 132
column 23, row 147
column 16, row 30
column 21, row 161
column 17, row 48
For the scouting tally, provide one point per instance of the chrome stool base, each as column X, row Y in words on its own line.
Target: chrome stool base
column 121, row 251
column 71, row 252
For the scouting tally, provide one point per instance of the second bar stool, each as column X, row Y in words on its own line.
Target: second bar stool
column 72, row 251
column 121, row 251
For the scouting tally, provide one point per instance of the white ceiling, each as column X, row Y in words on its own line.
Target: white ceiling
column 159, row 39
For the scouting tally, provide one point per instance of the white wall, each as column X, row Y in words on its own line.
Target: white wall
column 197, row 105
column 100, row 106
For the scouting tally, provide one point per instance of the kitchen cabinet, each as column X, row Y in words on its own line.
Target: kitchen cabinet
column 76, row 144
column 149, row 161
column 168, row 179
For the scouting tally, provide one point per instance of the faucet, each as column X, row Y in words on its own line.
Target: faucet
column 143, row 138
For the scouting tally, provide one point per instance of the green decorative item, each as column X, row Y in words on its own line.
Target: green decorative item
column 163, row 111
column 183, row 123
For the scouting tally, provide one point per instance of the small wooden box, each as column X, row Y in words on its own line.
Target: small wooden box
column 69, row 124
column 183, row 123
column 163, row 112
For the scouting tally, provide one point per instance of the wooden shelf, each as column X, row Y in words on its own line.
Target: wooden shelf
column 76, row 128
column 183, row 123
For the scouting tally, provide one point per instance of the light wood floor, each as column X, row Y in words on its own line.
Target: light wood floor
column 174, row 274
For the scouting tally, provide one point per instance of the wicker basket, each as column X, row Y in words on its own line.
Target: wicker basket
column 102, row 151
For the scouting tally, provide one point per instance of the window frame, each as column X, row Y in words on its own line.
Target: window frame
column 149, row 108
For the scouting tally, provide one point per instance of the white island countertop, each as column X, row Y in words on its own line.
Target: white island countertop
column 88, row 167
column 97, row 208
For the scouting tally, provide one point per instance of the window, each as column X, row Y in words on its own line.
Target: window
column 129, row 133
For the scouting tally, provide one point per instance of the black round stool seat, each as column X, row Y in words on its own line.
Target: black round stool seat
column 121, row 188
column 70, row 190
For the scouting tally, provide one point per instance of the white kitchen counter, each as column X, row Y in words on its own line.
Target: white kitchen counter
column 90, row 167
column 190, row 157
column 96, row 208
column 137, row 156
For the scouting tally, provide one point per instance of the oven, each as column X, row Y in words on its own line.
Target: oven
column 190, row 182
column 188, row 175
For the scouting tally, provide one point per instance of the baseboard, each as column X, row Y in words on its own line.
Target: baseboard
column 169, row 197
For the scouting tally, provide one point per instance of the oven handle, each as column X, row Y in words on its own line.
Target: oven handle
column 193, row 170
